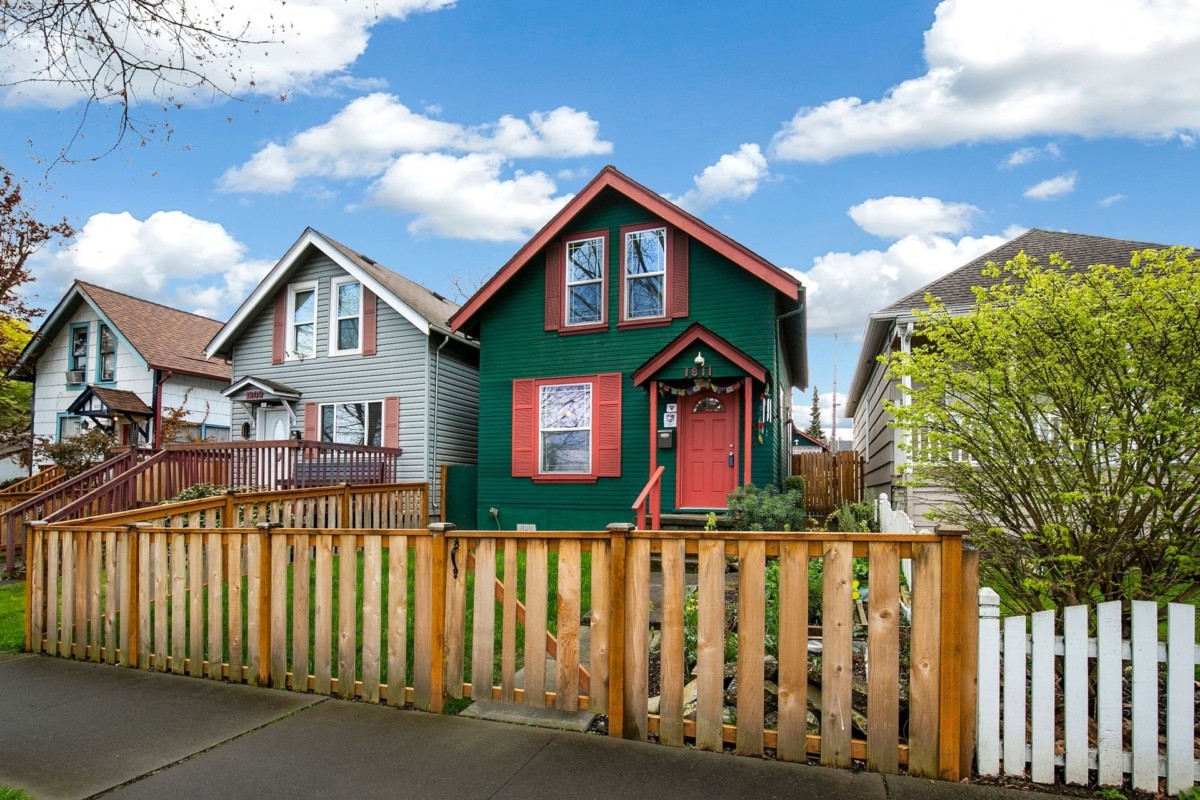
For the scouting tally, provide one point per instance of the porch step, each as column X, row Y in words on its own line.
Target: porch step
column 692, row 522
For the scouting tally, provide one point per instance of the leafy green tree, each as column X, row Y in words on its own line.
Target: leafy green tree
column 814, row 418
column 1063, row 412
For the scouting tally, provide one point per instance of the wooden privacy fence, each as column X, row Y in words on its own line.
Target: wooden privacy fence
column 1081, row 702
column 387, row 614
column 830, row 479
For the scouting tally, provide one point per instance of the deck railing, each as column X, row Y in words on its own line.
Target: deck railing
column 37, row 482
column 145, row 596
column 651, row 497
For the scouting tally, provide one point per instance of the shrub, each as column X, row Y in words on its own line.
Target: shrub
column 853, row 518
column 76, row 454
column 754, row 509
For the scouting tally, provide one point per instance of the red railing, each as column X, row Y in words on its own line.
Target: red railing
column 38, row 482
column 651, row 495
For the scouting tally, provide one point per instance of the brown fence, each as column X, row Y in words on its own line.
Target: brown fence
column 142, row 596
column 830, row 479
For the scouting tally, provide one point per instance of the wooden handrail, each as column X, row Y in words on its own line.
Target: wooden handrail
column 655, row 500
column 43, row 480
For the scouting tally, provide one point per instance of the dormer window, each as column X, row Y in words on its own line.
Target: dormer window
column 302, row 320
column 345, row 323
column 644, row 273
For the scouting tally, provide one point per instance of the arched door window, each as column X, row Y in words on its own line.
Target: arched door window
column 708, row 405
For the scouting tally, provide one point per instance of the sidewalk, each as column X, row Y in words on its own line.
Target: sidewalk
column 72, row 730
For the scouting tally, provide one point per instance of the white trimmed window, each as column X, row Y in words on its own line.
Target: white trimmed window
column 352, row 423
column 585, row 281
column 565, row 428
column 108, row 355
column 645, row 273
column 302, row 321
column 345, row 316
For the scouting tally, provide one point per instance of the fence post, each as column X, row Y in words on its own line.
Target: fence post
column 29, row 589
column 264, row 602
column 618, row 532
column 988, row 709
column 950, row 736
column 437, row 650
column 344, row 522
column 131, row 587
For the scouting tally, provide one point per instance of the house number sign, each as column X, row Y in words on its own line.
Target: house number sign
column 254, row 394
column 697, row 372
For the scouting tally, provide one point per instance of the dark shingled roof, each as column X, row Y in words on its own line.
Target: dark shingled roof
column 167, row 338
column 429, row 304
column 954, row 289
column 122, row 401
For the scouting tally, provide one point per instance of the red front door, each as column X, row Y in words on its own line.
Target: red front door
column 707, row 449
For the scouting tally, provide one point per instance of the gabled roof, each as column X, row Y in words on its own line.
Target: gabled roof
column 693, row 335
column 264, row 384
column 165, row 338
column 610, row 178
column 425, row 309
column 115, row 401
column 954, row 288
column 811, row 440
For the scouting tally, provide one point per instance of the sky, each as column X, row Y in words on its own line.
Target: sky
column 867, row 147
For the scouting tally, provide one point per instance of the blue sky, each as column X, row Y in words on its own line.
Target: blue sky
column 870, row 147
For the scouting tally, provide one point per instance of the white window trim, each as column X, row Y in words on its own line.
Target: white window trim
column 627, row 278
column 366, row 422
column 334, row 319
column 568, row 283
column 290, row 353
column 591, row 428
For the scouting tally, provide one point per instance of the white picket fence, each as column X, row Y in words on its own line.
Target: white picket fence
column 1030, row 723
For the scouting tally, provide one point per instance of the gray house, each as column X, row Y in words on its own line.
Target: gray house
column 331, row 346
column 885, row 449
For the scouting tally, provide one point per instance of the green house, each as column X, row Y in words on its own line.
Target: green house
column 629, row 340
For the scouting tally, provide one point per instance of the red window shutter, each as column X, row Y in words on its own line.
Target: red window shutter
column 607, row 416
column 524, row 428
column 278, row 334
column 391, row 422
column 312, row 417
column 679, row 273
column 555, row 281
column 370, row 303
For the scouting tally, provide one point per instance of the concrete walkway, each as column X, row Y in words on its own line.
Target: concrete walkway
column 72, row 730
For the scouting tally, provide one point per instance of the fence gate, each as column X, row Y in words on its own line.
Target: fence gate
column 830, row 479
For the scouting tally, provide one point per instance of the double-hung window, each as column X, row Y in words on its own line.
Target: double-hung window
column 352, row 423
column 585, row 280
column 345, row 323
column 644, row 274
column 108, row 355
column 565, row 428
column 79, row 349
column 302, row 320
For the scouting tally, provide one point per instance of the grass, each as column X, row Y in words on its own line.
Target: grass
column 12, row 624
column 9, row 793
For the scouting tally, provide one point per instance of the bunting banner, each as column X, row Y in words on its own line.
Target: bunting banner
column 701, row 385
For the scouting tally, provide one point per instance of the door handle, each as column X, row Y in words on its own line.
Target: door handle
column 731, row 459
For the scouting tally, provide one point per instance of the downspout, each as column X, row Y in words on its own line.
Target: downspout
column 32, row 414
column 437, row 372
column 160, row 378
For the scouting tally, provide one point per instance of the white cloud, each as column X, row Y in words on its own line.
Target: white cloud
column 1052, row 187
column 1001, row 70
column 802, row 411
column 466, row 197
column 1026, row 155
column 301, row 45
column 1112, row 199
column 170, row 257
column 843, row 288
column 735, row 176
column 363, row 138
column 895, row 217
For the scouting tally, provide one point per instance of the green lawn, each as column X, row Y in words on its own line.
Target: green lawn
column 12, row 618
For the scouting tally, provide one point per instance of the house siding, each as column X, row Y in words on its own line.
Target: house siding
column 723, row 297
column 399, row 367
column 454, row 411
column 879, row 469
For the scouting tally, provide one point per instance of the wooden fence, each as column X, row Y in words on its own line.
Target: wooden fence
column 143, row 596
column 830, row 479
column 1083, row 712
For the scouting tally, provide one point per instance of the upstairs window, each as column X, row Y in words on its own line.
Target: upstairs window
column 585, row 281
column 345, row 324
column 644, row 278
column 108, row 355
column 79, row 348
column 302, row 320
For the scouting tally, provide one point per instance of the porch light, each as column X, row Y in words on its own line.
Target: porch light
column 699, row 359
